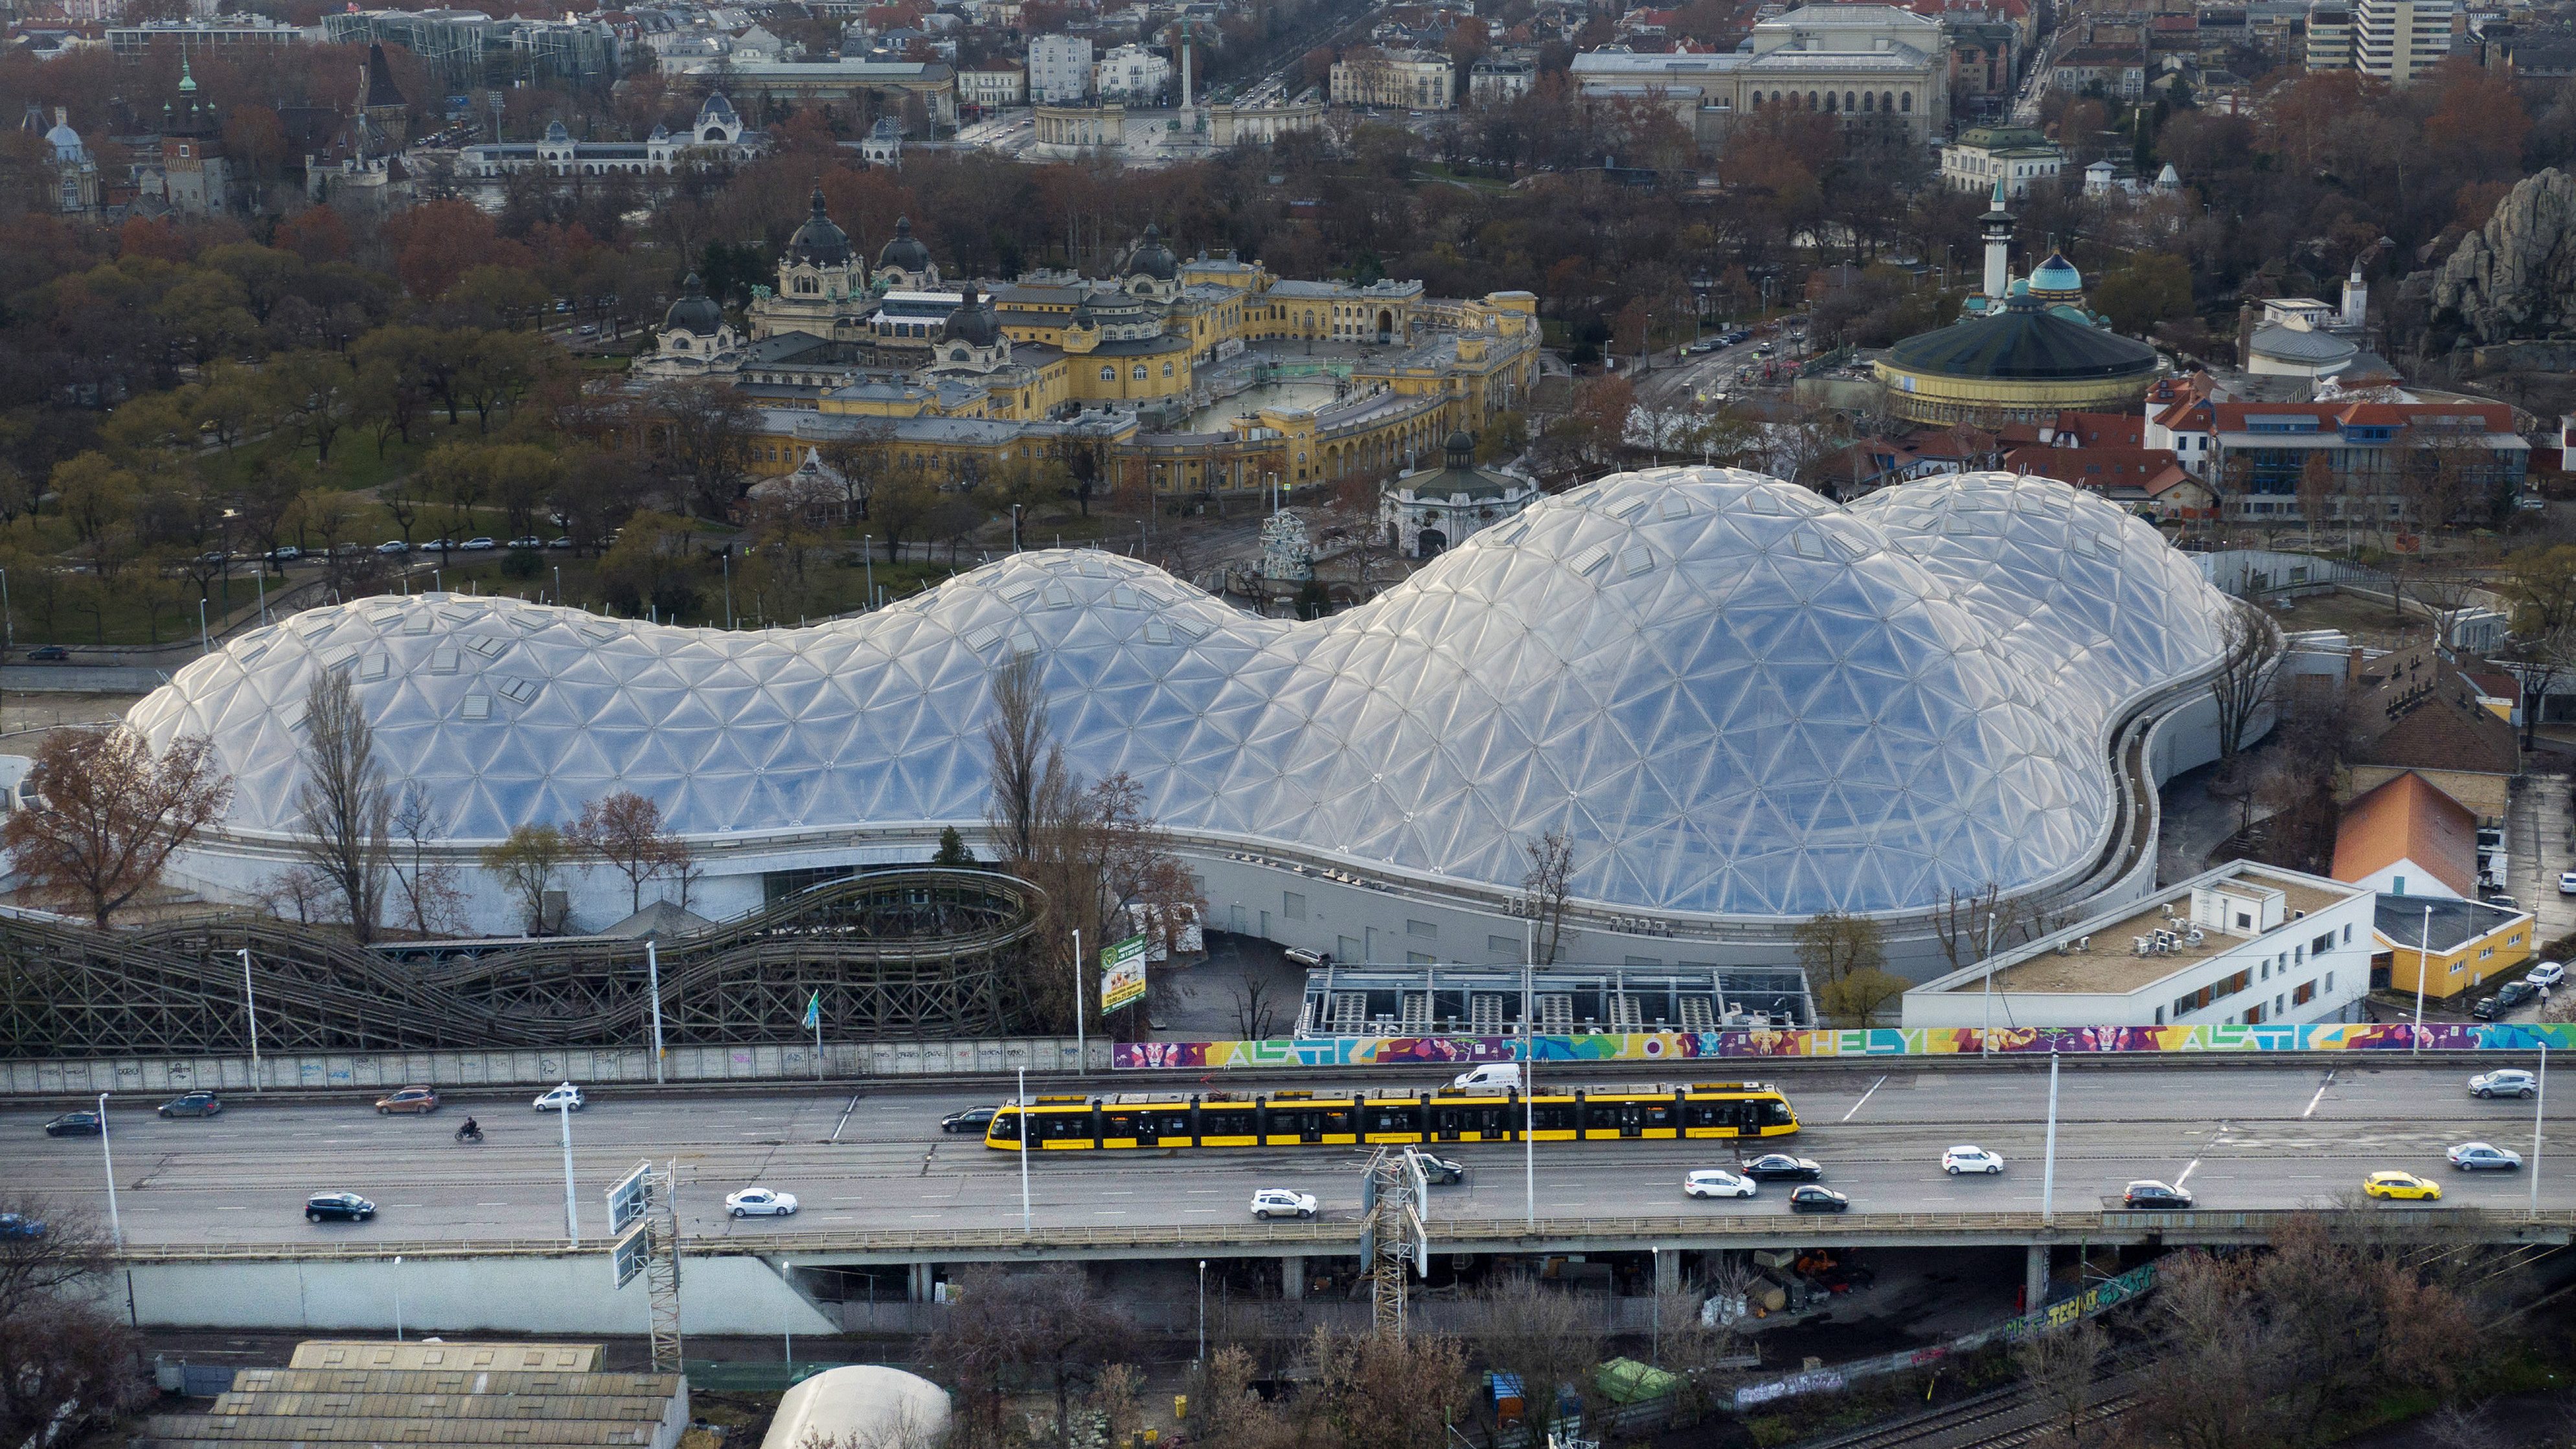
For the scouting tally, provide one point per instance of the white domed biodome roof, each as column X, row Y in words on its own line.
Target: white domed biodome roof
column 2081, row 590
column 1735, row 698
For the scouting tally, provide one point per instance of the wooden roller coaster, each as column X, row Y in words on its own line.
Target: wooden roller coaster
column 915, row 953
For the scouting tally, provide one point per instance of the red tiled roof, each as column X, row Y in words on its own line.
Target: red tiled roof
column 2103, row 430
column 2151, row 470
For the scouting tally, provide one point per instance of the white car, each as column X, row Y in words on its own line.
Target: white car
column 1971, row 1159
column 1271, row 1202
column 1718, row 1182
column 2551, row 974
column 757, row 1202
column 560, row 1098
column 2567, row 882
column 2479, row 1157
column 476, row 545
column 2509, row 1082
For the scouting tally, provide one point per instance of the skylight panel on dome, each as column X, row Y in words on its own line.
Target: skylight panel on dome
column 376, row 665
column 487, row 645
column 476, row 706
column 1590, row 559
column 518, row 691
column 444, row 659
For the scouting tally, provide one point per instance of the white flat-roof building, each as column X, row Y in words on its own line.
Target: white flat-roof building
column 2241, row 945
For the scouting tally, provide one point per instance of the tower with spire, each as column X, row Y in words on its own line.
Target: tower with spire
column 196, row 176
column 1998, row 223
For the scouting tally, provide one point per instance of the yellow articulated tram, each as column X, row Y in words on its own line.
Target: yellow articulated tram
column 1640, row 1111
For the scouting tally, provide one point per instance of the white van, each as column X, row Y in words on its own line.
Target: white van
column 1491, row 1074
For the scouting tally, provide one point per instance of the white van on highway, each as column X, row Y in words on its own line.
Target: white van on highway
column 1491, row 1074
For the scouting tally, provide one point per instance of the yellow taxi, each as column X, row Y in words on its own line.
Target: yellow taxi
column 2399, row 1185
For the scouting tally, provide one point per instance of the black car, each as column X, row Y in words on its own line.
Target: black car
column 2515, row 993
column 1781, row 1167
column 193, row 1104
column 1442, row 1171
column 973, row 1119
column 1814, row 1199
column 2145, row 1194
column 50, row 653
column 73, row 1124
column 345, row 1207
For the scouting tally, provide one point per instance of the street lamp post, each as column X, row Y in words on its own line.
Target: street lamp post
column 1202, row 1310
column 572, row 1214
column 1021, row 1105
column 205, row 640
column 728, row 584
column 2048, row 1164
column 398, row 1337
column 250, row 1013
column 653, row 984
column 115, row 1225
column 1081, row 1046
column 2423, row 966
column 2539, row 1107
column 868, row 561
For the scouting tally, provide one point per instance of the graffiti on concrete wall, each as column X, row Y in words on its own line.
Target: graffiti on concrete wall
column 1353, row 1051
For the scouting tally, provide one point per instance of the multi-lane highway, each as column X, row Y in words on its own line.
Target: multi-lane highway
column 2249, row 1136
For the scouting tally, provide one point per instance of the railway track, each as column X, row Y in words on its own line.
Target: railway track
column 1999, row 1419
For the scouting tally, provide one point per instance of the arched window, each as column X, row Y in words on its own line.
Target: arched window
column 1848, row 101
column 1868, row 103
column 1812, row 103
column 1167, row 369
column 1905, row 103
column 1109, row 374
column 1140, row 372
column 681, row 343
column 1887, row 100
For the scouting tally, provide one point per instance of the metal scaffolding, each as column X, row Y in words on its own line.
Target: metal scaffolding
column 1395, row 1203
column 914, row 954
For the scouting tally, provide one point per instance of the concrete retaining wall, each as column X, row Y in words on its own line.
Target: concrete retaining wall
column 572, row 1294
column 842, row 1062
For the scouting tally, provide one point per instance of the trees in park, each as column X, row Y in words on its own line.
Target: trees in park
column 527, row 862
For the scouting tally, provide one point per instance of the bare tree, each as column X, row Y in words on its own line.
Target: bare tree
column 625, row 831
column 343, row 800
column 1966, row 921
column 2540, row 584
column 1546, row 1339
column 432, row 900
column 1009, row 1330
column 67, row 1367
column 2249, row 648
column 1382, row 1391
column 1547, row 888
column 110, row 815
column 299, row 891
column 1022, row 757
column 2062, row 1368
column 1254, row 1017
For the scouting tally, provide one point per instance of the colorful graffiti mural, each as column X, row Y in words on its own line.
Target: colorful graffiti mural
column 1645, row 1047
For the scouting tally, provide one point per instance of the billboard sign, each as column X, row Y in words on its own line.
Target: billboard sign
column 1122, row 974
column 629, row 1253
column 630, row 1197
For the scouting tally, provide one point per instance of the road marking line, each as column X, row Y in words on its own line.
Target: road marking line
column 232, row 1209
column 1864, row 1099
column 491, row 1204
column 2319, row 1097
column 399, row 1205
column 930, row 1215
column 2186, row 1173
column 845, row 1116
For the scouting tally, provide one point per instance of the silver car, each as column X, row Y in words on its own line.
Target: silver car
column 2508, row 1082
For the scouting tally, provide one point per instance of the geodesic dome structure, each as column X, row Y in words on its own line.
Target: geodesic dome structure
column 1734, row 697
